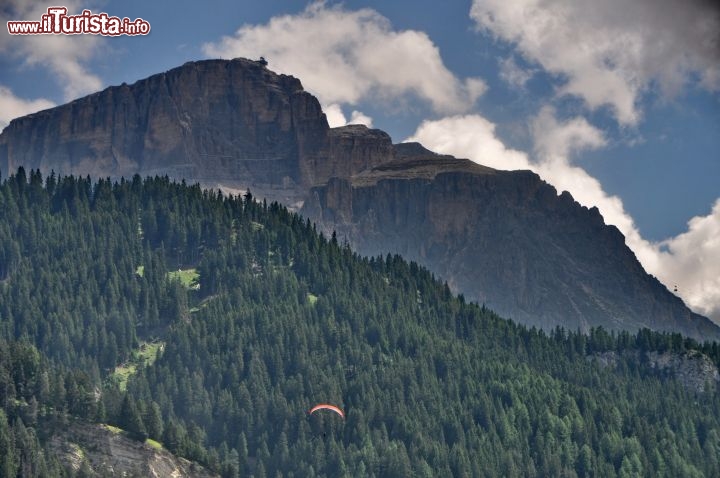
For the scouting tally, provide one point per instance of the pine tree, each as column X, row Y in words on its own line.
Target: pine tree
column 131, row 420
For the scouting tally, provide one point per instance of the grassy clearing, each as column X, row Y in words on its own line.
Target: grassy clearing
column 148, row 351
column 140, row 270
column 312, row 298
column 122, row 373
column 146, row 354
column 189, row 278
column 202, row 304
column 113, row 429
column 153, row 443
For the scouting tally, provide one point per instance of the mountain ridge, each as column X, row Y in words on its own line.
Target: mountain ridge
column 504, row 238
column 463, row 236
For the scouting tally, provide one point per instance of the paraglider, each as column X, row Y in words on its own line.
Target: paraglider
column 326, row 406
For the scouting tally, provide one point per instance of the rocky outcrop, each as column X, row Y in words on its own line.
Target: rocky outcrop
column 503, row 238
column 347, row 151
column 110, row 453
column 506, row 239
column 695, row 370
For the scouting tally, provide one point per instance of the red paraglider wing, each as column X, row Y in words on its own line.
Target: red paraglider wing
column 326, row 406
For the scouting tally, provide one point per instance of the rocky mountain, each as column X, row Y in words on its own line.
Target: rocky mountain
column 503, row 238
column 230, row 123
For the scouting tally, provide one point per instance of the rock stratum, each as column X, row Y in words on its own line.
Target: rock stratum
column 503, row 238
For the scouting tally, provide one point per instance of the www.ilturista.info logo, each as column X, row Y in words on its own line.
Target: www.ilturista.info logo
column 57, row 22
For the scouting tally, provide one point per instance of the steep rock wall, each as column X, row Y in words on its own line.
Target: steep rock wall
column 506, row 239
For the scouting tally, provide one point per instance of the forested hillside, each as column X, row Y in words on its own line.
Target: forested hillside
column 506, row 238
column 212, row 324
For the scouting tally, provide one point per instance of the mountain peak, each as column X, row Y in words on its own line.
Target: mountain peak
column 505, row 238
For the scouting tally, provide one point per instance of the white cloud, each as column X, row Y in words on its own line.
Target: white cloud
column 690, row 259
column 336, row 117
column 345, row 56
column 472, row 137
column 557, row 141
column 609, row 52
column 513, row 74
column 358, row 117
column 64, row 55
column 12, row 107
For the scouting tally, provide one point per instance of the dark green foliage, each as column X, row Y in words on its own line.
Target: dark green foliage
column 27, row 414
column 284, row 319
column 131, row 420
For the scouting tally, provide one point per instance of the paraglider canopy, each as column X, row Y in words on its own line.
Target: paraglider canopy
column 326, row 406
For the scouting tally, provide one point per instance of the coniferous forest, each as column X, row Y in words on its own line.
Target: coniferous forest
column 211, row 324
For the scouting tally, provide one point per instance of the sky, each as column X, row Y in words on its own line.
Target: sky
column 617, row 102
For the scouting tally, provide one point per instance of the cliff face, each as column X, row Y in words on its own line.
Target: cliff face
column 694, row 370
column 110, row 453
column 230, row 123
column 503, row 238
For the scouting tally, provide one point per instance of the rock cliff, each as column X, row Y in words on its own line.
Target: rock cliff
column 221, row 123
column 694, row 370
column 110, row 453
column 503, row 238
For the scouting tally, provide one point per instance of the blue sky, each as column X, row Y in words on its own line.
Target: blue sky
column 616, row 101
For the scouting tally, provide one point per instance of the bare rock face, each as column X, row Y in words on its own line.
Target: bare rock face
column 503, row 238
column 233, row 123
column 110, row 453
column 695, row 370
column 347, row 151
